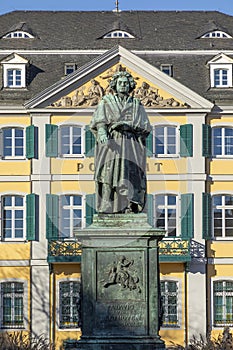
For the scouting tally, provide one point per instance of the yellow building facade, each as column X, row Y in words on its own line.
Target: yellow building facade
column 47, row 192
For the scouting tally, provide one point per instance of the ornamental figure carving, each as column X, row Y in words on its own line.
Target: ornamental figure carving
column 91, row 96
column 120, row 273
column 150, row 97
column 120, row 125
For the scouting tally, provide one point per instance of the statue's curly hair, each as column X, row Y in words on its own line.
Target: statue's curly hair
column 120, row 74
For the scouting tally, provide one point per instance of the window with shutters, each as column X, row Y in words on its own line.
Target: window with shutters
column 69, row 304
column 19, row 143
column 12, row 305
column 173, row 213
column 71, row 141
column 165, row 141
column 13, row 218
column 169, row 294
column 13, row 143
column 66, row 213
column 166, row 213
column 222, row 141
column 223, row 215
column 223, row 303
column 170, row 141
column 71, row 215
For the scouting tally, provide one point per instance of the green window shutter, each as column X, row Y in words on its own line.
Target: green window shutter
column 150, row 209
column 187, row 208
column 186, row 140
column 149, row 145
column 30, row 142
column 51, row 137
column 206, row 140
column 89, row 142
column 207, row 217
column 52, row 213
column 31, row 216
column 90, row 208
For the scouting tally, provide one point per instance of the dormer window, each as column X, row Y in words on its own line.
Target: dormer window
column 167, row 69
column 14, row 71
column 221, row 71
column 18, row 34
column 216, row 34
column 118, row 34
column 70, row 68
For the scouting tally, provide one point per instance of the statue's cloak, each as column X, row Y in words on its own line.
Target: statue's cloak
column 121, row 162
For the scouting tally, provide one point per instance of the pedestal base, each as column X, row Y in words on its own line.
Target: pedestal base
column 120, row 284
column 139, row 343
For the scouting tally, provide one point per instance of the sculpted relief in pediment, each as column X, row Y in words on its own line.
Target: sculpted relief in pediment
column 91, row 93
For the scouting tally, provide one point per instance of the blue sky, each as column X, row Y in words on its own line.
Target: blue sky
column 225, row 6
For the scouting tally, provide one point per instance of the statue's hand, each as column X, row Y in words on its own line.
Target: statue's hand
column 103, row 138
column 102, row 134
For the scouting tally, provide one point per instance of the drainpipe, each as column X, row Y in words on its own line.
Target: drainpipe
column 52, row 290
column 54, row 307
column 186, row 338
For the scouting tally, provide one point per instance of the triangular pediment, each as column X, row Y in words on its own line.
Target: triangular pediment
column 14, row 58
column 85, row 87
column 221, row 59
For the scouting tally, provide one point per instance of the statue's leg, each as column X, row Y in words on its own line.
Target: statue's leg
column 104, row 203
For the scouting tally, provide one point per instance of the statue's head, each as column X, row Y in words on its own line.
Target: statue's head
column 122, row 78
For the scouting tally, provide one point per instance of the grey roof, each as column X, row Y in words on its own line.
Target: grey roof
column 153, row 30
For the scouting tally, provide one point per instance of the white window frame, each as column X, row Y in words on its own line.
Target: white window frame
column 13, row 208
column 13, row 156
column 179, row 301
column 223, row 208
column 118, row 34
column 165, row 207
column 18, row 34
column 221, row 66
column 71, row 155
column 71, row 208
column 67, row 65
column 25, row 303
column 223, row 128
column 218, row 279
column 63, row 329
column 166, row 154
column 167, row 69
column 15, row 67
column 216, row 34
column 222, row 74
column 16, row 77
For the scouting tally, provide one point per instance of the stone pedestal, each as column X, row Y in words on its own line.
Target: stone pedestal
column 120, row 284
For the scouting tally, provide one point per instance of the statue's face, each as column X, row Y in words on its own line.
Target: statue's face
column 122, row 85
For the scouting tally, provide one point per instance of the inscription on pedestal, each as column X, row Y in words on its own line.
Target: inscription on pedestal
column 127, row 317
